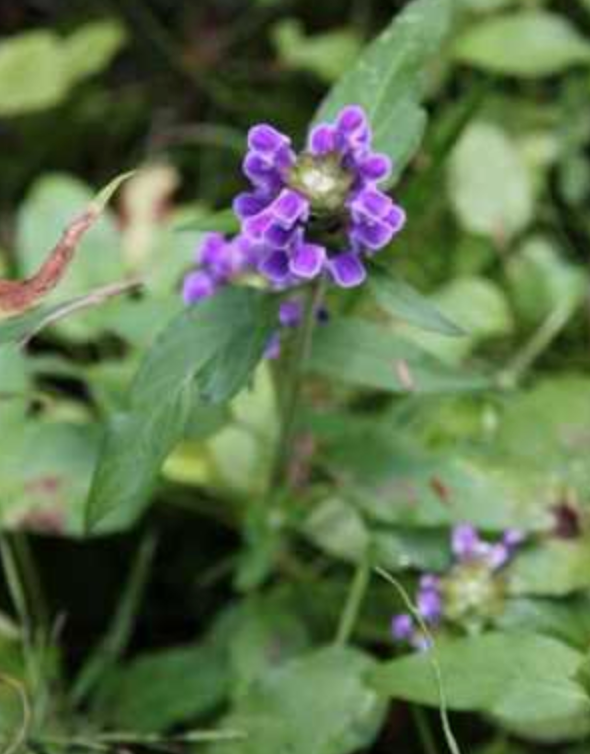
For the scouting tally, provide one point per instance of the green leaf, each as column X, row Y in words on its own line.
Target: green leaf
column 212, row 349
column 317, row 704
column 38, row 68
column 327, row 55
column 530, row 43
column 224, row 221
column 90, row 48
column 387, row 79
column 32, row 76
column 489, row 185
column 542, row 280
column 526, row 681
column 45, row 472
column 165, row 688
column 555, row 567
column 369, row 355
column 480, row 305
column 401, row 300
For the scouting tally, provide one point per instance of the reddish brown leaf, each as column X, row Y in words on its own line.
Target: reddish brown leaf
column 17, row 296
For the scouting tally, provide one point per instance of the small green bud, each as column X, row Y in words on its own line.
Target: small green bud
column 322, row 180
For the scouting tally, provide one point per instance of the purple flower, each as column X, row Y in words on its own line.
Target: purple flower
column 469, row 592
column 402, row 627
column 294, row 197
column 220, row 260
column 319, row 213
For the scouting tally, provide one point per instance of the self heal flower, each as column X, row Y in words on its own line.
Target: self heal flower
column 219, row 260
column 470, row 594
column 320, row 212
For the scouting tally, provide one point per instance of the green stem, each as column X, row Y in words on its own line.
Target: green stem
column 294, row 376
column 354, row 600
column 539, row 341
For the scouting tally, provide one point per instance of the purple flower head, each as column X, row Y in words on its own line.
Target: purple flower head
column 320, row 212
column 467, row 545
column 219, row 260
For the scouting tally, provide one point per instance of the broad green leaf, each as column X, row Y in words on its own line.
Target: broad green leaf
column 401, row 300
column 370, row 355
column 566, row 620
column 541, row 280
column 90, row 48
column 388, row 78
column 39, row 68
column 525, row 681
column 482, row 308
column 546, row 429
column 236, row 324
column 45, row 472
column 327, row 55
column 32, row 73
column 554, row 567
column 164, row 688
column 530, row 43
column 489, row 186
column 316, row 704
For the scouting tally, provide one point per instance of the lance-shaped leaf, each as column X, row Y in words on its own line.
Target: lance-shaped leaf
column 388, row 78
column 206, row 354
column 18, row 296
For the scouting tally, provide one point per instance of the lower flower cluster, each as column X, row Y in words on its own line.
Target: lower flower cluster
column 471, row 593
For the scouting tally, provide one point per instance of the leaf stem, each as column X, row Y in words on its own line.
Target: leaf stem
column 354, row 600
column 533, row 348
column 296, row 369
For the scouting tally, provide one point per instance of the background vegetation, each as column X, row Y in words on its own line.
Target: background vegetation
column 189, row 610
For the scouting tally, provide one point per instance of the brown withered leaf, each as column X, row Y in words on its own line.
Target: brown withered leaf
column 18, row 296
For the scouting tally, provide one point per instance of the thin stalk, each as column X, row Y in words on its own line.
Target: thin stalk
column 354, row 601
column 533, row 348
column 294, row 376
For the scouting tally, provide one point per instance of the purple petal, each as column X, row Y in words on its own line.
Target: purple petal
column 290, row 313
column 375, row 167
column 307, row 260
column 248, row 204
column 497, row 556
column 429, row 581
column 351, row 119
column 254, row 227
column 512, row 538
column 265, row 138
column 347, row 270
column 372, row 235
column 277, row 237
column 289, row 207
column 429, row 605
column 275, row 267
column 465, row 542
column 197, row 286
column 211, row 248
column 402, row 627
column 322, row 139
column 396, row 218
column 371, row 204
